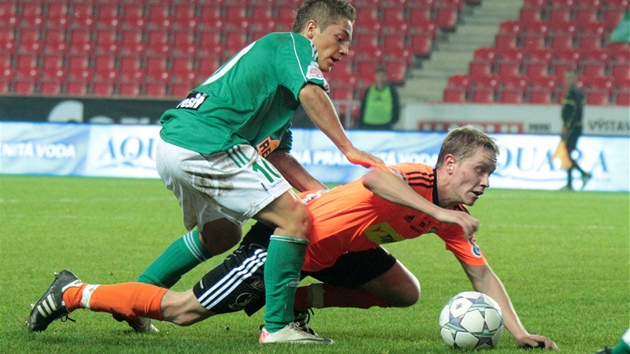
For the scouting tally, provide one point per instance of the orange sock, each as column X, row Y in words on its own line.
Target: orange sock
column 127, row 299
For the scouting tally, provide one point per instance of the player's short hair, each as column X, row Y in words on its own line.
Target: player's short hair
column 324, row 12
column 463, row 142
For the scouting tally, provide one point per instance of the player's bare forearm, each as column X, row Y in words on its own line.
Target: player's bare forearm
column 484, row 280
column 393, row 188
column 297, row 176
column 321, row 111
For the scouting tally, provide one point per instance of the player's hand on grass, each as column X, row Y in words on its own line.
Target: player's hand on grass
column 537, row 342
column 468, row 223
column 365, row 159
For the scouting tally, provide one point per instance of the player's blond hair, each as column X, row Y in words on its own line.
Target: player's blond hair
column 463, row 142
column 324, row 12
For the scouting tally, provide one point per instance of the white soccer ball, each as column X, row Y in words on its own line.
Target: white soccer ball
column 471, row 320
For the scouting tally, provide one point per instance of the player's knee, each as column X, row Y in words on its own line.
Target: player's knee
column 297, row 223
column 408, row 295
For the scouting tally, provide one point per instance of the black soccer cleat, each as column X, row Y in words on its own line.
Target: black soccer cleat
column 51, row 306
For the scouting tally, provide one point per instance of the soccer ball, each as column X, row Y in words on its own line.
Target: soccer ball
column 471, row 320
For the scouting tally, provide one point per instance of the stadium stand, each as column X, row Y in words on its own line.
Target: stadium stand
column 548, row 38
column 81, row 33
column 165, row 47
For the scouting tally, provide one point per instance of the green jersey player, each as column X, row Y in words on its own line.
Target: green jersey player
column 217, row 155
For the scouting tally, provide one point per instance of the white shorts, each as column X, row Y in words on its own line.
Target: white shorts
column 235, row 184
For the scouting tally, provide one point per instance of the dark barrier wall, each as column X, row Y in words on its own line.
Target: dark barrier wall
column 83, row 109
column 97, row 110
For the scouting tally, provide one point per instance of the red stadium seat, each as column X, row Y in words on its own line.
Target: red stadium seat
column 27, row 67
column 484, row 89
column 419, row 14
column 158, row 15
column 107, row 15
column 584, row 14
column 156, row 68
column 539, row 96
column 157, row 42
column 8, row 12
column 394, row 43
column 396, row 71
column 76, row 88
column 236, row 17
column 104, row 68
column 421, row 44
column 133, row 15
column 511, row 95
column 182, row 69
column 24, row 86
column 184, row 17
column 506, row 40
column 57, row 14
column 81, row 41
column 83, row 15
column 155, row 89
column 209, row 15
column 32, row 14
column 234, row 41
column 53, row 66
column 130, row 68
column 50, row 87
column 106, row 41
column 55, row 40
column 342, row 92
column 209, row 42
column 366, row 70
column 592, row 68
column 612, row 16
column 530, row 14
column 446, row 17
column 131, row 42
column 78, row 67
column 179, row 89
column 102, row 88
column 458, row 80
column 29, row 40
column 454, row 95
column 621, row 69
column 560, row 41
column 589, row 41
column 128, row 89
column 559, row 14
column 508, row 67
column 207, row 65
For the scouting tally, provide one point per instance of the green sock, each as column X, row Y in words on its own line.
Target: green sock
column 285, row 257
column 623, row 347
column 180, row 257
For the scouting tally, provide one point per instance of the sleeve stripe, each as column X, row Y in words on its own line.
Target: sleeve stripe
column 298, row 58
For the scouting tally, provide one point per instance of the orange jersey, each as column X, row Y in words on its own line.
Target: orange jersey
column 351, row 218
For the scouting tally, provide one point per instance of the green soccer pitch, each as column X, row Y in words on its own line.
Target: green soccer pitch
column 563, row 257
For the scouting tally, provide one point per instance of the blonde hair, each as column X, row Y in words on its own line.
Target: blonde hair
column 463, row 143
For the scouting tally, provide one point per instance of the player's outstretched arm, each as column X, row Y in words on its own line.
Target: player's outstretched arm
column 485, row 281
column 393, row 188
column 297, row 176
column 321, row 111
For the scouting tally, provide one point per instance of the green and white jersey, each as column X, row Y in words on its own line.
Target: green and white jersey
column 249, row 100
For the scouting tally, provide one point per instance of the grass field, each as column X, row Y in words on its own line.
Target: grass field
column 563, row 256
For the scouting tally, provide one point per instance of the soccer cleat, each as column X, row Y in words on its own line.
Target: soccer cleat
column 585, row 178
column 51, row 306
column 604, row 351
column 292, row 333
column 139, row 324
column 302, row 318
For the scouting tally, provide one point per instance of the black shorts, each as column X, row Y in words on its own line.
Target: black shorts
column 238, row 283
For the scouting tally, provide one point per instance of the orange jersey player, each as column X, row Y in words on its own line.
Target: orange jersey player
column 349, row 223
column 352, row 218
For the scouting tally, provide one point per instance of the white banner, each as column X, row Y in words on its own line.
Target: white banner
column 507, row 118
column 129, row 151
